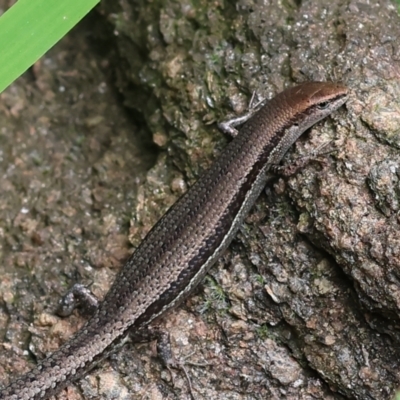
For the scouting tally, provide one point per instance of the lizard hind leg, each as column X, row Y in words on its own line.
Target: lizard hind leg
column 164, row 350
column 78, row 296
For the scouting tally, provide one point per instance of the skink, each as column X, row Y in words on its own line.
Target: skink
column 178, row 251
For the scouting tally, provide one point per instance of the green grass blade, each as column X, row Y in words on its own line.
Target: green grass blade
column 30, row 28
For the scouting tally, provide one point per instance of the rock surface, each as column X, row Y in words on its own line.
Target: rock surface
column 305, row 304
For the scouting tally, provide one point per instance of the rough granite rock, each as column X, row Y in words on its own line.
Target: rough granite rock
column 305, row 304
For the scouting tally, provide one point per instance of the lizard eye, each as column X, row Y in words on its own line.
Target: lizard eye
column 324, row 105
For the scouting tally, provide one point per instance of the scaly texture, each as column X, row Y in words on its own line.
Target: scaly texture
column 186, row 241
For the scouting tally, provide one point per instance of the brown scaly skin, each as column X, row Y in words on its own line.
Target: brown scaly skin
column 188, row 239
